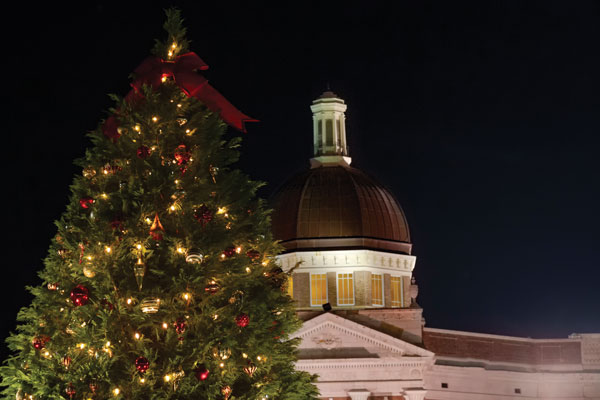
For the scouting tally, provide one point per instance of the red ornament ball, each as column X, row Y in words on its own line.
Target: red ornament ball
column 229, row 252
column 80, row 295
column 143, row 152
column 203, row 215
column 86, row 202
column 253, row 254
column 39, row 342
column 242, row 320
column 201, row 372
column 142, row 364
column 182, row 156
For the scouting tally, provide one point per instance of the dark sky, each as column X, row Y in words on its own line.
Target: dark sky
column 483, row 118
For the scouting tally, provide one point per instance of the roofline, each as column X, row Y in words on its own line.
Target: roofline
column 493, row 336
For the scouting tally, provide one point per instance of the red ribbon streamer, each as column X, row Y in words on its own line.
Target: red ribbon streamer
column 183, row 70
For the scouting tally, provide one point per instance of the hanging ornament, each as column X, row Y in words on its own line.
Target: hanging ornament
column 242, row 320
column 88, row 270
column 139, row 270
column 222, row 354
column 52, row 286
column 250, row 369
column 39, row 342
column 193, row 256
column 236, row 296
column 62, row 253
column 109, row 169
column 79, row 295
column 181, row 121
column 156, row 230
column 229, row 252
column 143, row 152
column 201, row 372
column 253, row 254
column 142, row 364
column 213, row 172
column 93, row 387
column 89, row 172
column 66, row 361
column 70, row 390
column 180, row 325
column 82, row 251
column 86, row 202
column 182, row 155
column 150, row 305
column 212, row 287
column 226, row 392
column 203, row 215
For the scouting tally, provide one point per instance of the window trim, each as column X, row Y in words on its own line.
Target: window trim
column 311, row 289
column 337, row 289
column 401, row 291
column 382, row 290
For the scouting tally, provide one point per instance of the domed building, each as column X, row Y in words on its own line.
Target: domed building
column 348, row 253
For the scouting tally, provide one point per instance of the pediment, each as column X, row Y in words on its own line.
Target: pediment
column 329, row 336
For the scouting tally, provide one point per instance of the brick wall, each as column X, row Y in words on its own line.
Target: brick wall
column 491, row 348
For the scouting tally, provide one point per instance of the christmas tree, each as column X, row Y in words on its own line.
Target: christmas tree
column 160, row 282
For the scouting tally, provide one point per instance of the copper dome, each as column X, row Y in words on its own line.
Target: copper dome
column 338, row 207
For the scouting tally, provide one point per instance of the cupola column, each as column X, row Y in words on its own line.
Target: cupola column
column 329, row 131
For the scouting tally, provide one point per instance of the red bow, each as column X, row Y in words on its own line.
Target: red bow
column 183, row 71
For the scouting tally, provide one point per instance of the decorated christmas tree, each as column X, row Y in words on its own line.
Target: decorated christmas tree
column 160, row 282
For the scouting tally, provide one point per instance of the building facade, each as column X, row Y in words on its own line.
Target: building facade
column 349, row 256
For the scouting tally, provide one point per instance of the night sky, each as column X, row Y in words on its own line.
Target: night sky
column 483, row 118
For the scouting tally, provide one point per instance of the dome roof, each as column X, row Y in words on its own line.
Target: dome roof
column 338, row 207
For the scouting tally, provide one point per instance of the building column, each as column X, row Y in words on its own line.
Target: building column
column 359, row 394
column 415, row 394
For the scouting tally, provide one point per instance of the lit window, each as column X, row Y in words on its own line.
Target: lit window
column 345, row 289
column 377, row 289
column 397, row 291
column 318, row 289
column 290, row 287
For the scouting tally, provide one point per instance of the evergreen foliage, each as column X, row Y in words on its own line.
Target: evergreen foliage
column 206, row 207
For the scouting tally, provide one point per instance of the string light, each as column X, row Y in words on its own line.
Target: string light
column 165, row 325
column 137, row 335
column 142, row 380
column 129, row 300
column 107, row 249
column 155, row 119
column 167, row 378
column 116, row 391
column 81, row 346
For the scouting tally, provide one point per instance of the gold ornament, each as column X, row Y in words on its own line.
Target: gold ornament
column 250, row 369
column 139, row 270
column 193, row 256
column 89, row 172
column 213, row 172
column 226, row 391
column 88, row 270
column 150, row 305
column 222, row 354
